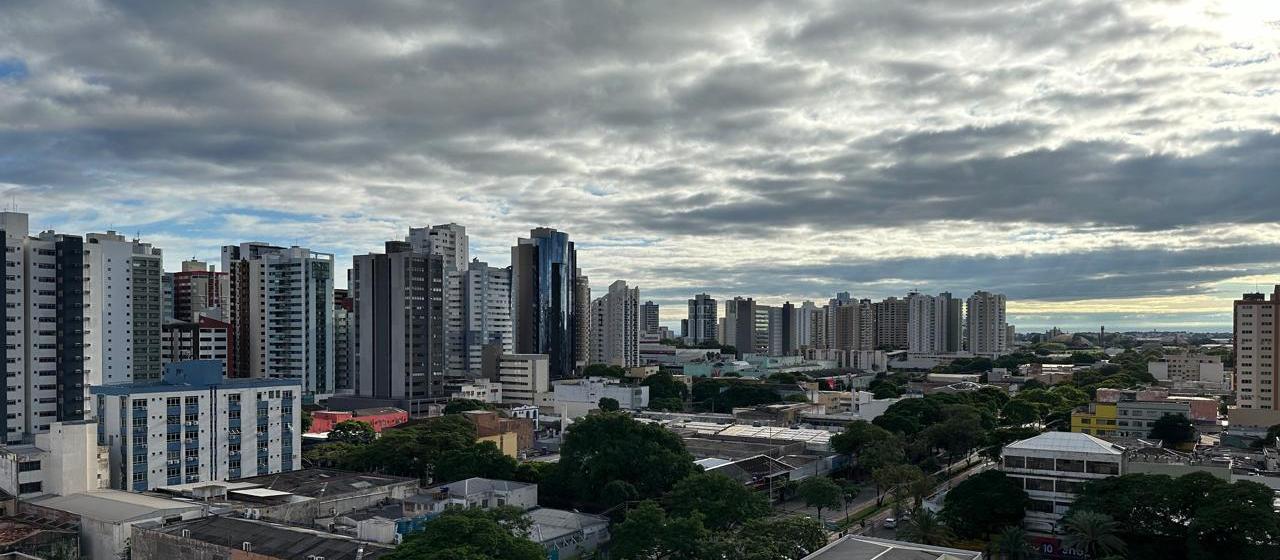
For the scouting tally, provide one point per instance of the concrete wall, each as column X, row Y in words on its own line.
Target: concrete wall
column 305, row 513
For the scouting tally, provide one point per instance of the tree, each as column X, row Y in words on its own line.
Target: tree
column 1173, row 430
column 667, row 404
column 618, row 492
column 792, row 538
column 458, row 406
column 983, row 503
column 925, row 528
column 1012, row 544
column 483, row 460
column 857, row 435
column 648, row 533
column 1094, row 533
column 609, row 404
column 820, row 492
column 1020, row 412
column 1273, row 434
column 471, row 534
column 889, row 477
column 352, row 431
column 306, row 421
column 604, row 370
column 1235, row 521
column 601, row 448
column 722, row 501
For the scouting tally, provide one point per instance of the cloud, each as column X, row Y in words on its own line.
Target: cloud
column 781, row 149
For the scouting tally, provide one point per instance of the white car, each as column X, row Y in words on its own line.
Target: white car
column 891, row 523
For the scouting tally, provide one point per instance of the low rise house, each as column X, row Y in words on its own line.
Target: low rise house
column 380, row 418
column 567, row 534
column 483, row 493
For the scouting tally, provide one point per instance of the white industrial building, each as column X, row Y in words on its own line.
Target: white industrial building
column 194, row 426
column 1053, row 467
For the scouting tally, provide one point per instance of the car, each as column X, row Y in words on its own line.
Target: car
column 891, row 523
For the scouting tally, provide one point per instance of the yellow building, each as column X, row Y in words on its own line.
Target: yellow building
column 1099, row 420
column 506, row 442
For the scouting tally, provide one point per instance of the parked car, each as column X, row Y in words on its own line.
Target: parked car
column 891, row 523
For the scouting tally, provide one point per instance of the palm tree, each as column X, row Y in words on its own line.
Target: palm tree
column 1094, row 533
column 1012, row 544
column 925, row 527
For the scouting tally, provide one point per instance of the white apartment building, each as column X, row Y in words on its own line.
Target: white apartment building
column 986, row 328
column 1053, row 467
column 194, row 426
column 479, row 314
column 124, row 309
column 281, row 304
column 1257, row 366
column 44, row 341
column 525, row 378
column 615, row 326
column 1191, row 368
column 66, row 459
column 450, row 241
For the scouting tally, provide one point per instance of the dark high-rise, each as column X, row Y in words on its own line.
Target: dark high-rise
column 544, row 289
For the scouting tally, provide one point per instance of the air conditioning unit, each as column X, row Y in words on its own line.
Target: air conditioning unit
column 246, row 546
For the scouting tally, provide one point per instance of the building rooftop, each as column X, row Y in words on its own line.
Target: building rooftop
column 854, row 547
column 315, row 483
column 377, row 411
column 274, row 540
column 115, row 506
column 551, row 524
column 471, row 486
column 1067, row 441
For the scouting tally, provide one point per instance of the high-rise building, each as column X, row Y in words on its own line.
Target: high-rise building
column 804, row 324
column 852, row 326
column 546, row 316
column 703, row 326
column 43, row 350
column 199, row 291
column 582, row 319
column 480, row 315
column 819, row 336
column 1256, row 341
column 740, row 325
column 125, row 309
column 615, row 326
column 790, row 332
column 985, row 325
column 399, row 327
column 281, row 312
column 649, row 318
column 212, row 429
column 203, row 339
column 768, row 330
column 344, row 371
column 934, row 324
column 891, row 324
column 450, row 241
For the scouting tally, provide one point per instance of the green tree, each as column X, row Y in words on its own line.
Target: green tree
column 483, row 460
column 925, row 527
column 722, row 501
column 471, row 534
column 618, row 492
column 667, row 404
column 857, row 435
column 1013, row 544
column 888, row 478
column 609, row 404
column 1020, row 412
column 648, row 533
column 1235, row 521
column 458, row 406
column 1272, row 437
column 1094, row 533
column 307, row 420
column 601, row 448
column 604, row 370
column 1173, row 430
column 820, row 492
column 983, row 503
column 353, row 432
column 776, row 538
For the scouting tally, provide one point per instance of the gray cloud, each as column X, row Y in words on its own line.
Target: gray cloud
column 667, row 126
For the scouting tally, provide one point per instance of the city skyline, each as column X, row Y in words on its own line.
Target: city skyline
column 1104, row 165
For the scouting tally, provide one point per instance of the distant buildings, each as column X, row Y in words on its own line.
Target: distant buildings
column 1257, row 366
column 649, row 316
column 986, row 329
column 703, row 325
column 479, row 315
column 615, row 326
column 1189, row 370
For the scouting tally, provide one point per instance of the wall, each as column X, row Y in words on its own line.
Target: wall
column 306, row 512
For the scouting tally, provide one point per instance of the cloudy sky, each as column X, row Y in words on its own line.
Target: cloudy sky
column 1099, row 162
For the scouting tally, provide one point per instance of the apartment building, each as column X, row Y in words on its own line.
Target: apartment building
column 194, row 426
column 281, row 313
column 703, row 325
column 203, row 339
column 986, row 329
column 525, row 378
column 615, row 326
column 479, row 315
column 199, row 291
column 1189, row 369
column 124, row 309
column 44, row 346
column 1256, row 337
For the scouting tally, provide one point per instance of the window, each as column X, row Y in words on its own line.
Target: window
column 30, row 487
column 1041, row 506
column 28, row 466
column 1040, row 463
column 172, row 401
column 1070, row 486
column 1070, row 465
column 1040, row 484
column 1096, row 467
column 1015, row 462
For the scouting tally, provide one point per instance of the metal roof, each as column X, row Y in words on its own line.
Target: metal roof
column 1067, row 441
column 274, row 540
column 114, row 506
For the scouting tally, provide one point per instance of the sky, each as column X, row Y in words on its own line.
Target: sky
column 1110, row 162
